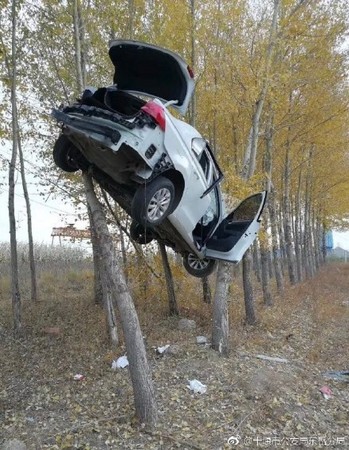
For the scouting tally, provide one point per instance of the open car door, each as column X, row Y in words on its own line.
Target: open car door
column 237, row 232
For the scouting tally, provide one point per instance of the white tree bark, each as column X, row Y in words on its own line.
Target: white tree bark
column 275, row 243
column 29, row 221
column 171, row 295
column 16, row 296
column 267, row 297
column 289, row 244
column 220, row 327
column 111, row 318
column 80, row 66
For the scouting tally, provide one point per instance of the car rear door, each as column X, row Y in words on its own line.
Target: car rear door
column 237, row 232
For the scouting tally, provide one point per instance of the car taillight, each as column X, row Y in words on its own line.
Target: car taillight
column 156, row 112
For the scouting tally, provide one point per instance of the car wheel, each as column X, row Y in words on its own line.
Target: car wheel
column 198, row 267
column 66, row 155
column 139, row 234
column 153, row 202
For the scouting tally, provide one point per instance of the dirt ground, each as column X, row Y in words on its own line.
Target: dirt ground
column 250, row 402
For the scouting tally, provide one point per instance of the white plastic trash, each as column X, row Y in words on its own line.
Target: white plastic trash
column 163, row 349
column 120, row 363
column 197, row 387
column 79, row 377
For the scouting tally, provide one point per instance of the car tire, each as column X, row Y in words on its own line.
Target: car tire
column 197, row 267
column 66, row 155
column 139, row 234
column 153, row 202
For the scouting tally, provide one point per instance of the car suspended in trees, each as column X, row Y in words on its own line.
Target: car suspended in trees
column 159, row 169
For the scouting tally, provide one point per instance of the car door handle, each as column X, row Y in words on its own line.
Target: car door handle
column 197, row 175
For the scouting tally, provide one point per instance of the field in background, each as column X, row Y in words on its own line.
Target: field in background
column 41, row 404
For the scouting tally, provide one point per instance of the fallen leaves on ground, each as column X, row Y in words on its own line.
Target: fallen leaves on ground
column 247, row 397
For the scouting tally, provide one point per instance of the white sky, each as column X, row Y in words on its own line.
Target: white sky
column 45, row 216
column 47, row 211
column 341, row 239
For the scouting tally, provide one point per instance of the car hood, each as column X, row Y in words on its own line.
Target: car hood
column 143, row 68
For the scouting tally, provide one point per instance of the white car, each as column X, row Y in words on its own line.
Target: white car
column 159, row 169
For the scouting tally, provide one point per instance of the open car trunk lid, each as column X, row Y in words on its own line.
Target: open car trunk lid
column 142, row 68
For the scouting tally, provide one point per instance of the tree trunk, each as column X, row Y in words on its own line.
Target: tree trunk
column 248, row 290
column 15, row 292
column 115, row 213
column 268, row 166
column 98, row 288
column 220, row 328
column 281, row 232
column 103, row 295
column 256, row 261
column 250, row 156
column 323, row 243
column 143, row 278
column 192, row 58
column 100, row 293
column 144, row 395
column 267, row 298
column 307, row 244
column 288, row 219
column 131, row 13
column 78, row 44
column 275, row 245
column 270, row 265
column 171, row 295
column 206, row 290
column 298, row 230
column 32, row 265
column 111, row 318
column 316, row 242
column 123, row 253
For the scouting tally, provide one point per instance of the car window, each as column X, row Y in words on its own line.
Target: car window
column 205, row 164
column 248, row 209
